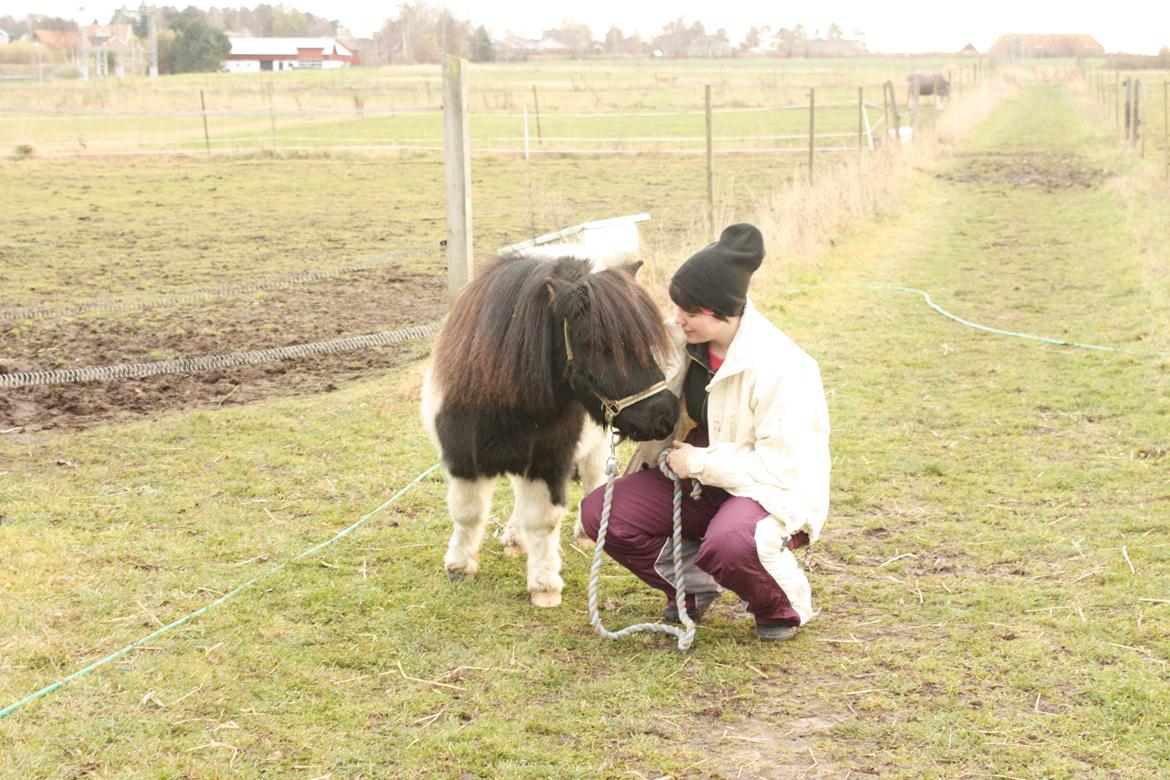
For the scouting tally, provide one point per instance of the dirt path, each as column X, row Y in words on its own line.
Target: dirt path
column 979, row 615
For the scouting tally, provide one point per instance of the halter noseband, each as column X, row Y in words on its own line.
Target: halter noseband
column 613, row 408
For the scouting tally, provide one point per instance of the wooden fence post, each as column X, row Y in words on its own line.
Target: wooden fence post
column 812, row 131
column 861, row 121
column 886, row 111
column 710, row 167
column 536, row 105
column 271, row 110
column 206, row 136
column 890, row 99
column 525, row 132
column 915, row 94
column 457, row 167
column 1139, row 116
column 1129, row 109
column 1117, row 102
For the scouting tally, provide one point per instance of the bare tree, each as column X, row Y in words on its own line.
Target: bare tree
column 615, row 42
column 422, row 32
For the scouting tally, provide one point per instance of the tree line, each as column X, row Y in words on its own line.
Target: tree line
column 422, row 31
column 193, row 40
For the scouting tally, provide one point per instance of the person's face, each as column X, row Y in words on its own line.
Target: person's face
column 701, row 327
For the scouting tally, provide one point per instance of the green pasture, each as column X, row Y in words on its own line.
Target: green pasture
column 107, row 229
column 87, row 210
column 568, row 84
column 112, row 228
column 1106, row 89
column 674, row 131
column 992, row 581
column 620, row 106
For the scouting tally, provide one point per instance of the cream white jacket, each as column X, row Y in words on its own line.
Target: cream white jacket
column 768, row 428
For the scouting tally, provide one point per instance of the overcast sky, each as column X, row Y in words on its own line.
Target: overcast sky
column 908, row 26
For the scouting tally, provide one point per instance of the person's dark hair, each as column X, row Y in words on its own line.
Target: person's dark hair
column 691, row 305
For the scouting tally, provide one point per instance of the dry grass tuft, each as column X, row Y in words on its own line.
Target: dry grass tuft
column 798, row 218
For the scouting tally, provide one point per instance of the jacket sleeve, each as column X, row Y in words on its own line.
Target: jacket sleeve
column 788, row 450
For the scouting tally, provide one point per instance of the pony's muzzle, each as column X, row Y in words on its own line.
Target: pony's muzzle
column 650, row 420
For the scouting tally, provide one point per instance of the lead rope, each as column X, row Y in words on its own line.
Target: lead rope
column 686, row 634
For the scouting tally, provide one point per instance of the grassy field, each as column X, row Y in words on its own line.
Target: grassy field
column 157, row 225
column 1107, row 90
column 601, row 105
column 992, row 579
column 190, row 220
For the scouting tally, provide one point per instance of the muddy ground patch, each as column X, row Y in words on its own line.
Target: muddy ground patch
column 1043, row 169
column 357, row 304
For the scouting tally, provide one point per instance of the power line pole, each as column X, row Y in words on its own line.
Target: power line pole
column 152, row 31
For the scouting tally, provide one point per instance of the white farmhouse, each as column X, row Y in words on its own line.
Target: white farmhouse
column 252, row 55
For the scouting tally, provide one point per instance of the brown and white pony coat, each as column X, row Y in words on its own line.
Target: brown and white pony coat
column 531, row 349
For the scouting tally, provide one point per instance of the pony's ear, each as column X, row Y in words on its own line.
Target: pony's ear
column 568, row 299
column 631, row 268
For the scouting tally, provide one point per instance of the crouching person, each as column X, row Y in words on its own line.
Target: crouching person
column 755, row 434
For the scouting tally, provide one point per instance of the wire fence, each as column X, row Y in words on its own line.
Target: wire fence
column 238, row 132
column 195, row 364
column 1140, row 104
column 651, row 137
column 227, row 289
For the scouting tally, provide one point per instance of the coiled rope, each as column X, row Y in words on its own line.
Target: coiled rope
column 223, row 290
column 189, row 617
column 685, row 634
column 191, row 365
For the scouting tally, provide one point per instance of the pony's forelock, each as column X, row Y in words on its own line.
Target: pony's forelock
column 623, row 320
column 494, row 351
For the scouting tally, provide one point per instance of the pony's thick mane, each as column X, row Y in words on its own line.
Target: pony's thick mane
column 496, row 349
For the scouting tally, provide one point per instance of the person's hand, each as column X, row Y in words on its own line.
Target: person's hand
column 677, row 459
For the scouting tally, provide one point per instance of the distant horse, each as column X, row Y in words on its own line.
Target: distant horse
column 531, row 348
column 929, row 83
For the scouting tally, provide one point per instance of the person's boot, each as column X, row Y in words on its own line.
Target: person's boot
column 776, row 632
column 696, row 606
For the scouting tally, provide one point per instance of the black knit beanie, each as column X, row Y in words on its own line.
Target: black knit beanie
column 717, row 275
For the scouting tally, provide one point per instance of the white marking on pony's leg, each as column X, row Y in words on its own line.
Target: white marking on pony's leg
column 432, row 400
column 540, row 527
column 468, row 501
column 512, row 537
column 590, row 460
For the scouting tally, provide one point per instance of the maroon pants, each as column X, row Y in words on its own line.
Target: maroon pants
column 640, row 524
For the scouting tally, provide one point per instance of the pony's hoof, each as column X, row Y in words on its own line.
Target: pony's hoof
column 459, row 575
column 513, row 549
column 584, row 542
column 546, row 598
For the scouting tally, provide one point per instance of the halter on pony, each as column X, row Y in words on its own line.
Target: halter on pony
column 614, row 408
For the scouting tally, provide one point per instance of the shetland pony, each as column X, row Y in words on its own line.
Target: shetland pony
column 532, row 347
